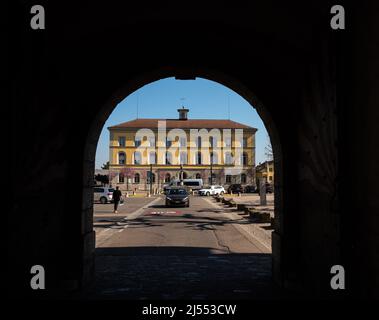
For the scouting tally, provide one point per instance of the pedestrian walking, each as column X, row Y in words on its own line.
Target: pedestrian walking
column 116, row 198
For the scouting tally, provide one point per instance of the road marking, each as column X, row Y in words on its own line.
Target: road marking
column 158, row 213
column 131, row 216
column 138, row 212
column 123, row 228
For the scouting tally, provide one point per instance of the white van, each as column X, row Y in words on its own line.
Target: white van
column 194, row 184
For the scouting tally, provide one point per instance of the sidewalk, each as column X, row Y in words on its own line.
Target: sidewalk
column 260, row 232
column 251, row 199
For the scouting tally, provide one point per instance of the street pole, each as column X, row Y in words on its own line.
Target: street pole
column 211, row 170
column 159, row 180
column 151, row 178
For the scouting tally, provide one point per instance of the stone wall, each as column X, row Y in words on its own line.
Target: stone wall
column 315, row 89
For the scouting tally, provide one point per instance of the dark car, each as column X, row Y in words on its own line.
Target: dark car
column 269, row 188
column 177, row 197
column 250, row 189
column 235, row 188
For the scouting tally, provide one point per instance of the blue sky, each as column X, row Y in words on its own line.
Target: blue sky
column 206, row 100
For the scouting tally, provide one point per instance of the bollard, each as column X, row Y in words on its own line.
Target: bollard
column 262, row 193
column 126, row 194
column 239, row 194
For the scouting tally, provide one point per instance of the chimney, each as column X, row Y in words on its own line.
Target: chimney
column 183, row 113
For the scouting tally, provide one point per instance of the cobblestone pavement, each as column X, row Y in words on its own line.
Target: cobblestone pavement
column 180, row 253
column 196, row 275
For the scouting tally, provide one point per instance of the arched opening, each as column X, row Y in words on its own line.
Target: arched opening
column 151, row 178
column 228, row 143
column 318, row 94
column 167, row 177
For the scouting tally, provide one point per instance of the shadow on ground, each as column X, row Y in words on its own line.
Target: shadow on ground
column 139, row 273
column 190, row 221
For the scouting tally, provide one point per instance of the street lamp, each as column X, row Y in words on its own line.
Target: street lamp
column 181, row 174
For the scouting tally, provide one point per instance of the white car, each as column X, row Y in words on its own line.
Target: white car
column 102, row 194
column 212, row 191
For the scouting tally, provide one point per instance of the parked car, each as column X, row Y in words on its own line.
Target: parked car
column 250, row 189
column 235, row 188
column 212, row 191
column 103, row 194
column 269, row 188
column 176, row 197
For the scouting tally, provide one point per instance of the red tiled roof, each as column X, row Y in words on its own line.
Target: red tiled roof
column 183, row 124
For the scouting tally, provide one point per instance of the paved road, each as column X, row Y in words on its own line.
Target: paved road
column 169, row 253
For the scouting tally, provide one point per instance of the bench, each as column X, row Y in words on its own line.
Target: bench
column 226, row 200
column 241, row 206
column 249, row 209
column 219, row 198
column 232, row 203
column 260, row 216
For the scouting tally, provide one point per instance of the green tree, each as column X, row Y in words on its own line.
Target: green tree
column 103, row 179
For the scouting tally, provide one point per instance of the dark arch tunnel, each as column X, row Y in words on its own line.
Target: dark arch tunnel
column 180, row 73
column 69, row 79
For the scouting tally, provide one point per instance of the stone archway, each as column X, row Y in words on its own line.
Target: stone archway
column 179, row 73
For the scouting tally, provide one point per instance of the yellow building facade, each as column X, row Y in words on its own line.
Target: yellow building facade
column 265, row 172
column 147, row 153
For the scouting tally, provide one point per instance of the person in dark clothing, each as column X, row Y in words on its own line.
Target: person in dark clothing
column 116, row 198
